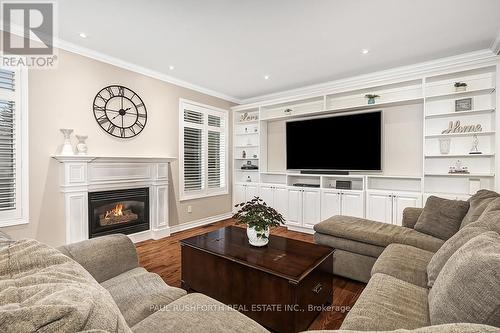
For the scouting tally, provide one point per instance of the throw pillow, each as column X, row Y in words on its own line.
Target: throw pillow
column 467, row 289
column 441, row 218
column 488, row 221
column 43, row 290
column 478, row 203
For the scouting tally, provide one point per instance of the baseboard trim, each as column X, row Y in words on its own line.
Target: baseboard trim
column 160, row 233
column 140, row 236
column 200, row 222
column 300, row 229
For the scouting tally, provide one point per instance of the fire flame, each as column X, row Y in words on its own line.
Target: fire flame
column 117, row 211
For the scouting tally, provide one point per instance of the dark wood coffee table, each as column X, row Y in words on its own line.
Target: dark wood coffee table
column 282, row 285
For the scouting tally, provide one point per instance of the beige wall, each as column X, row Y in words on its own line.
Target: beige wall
column 62, row 98
column 402, row 141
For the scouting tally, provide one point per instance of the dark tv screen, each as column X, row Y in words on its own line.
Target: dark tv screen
column 349, row 142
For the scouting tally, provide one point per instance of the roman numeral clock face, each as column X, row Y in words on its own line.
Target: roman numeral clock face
column 120, row 111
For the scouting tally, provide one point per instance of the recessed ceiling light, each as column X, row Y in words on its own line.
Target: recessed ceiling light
column 364, row 51
column 83, row 35
column 171, row 67
column 266, row 77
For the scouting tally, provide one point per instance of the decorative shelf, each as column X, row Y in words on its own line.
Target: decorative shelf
column 247, row 146
column 376, row 105
column 246, row 159
column 460, row 174
column 246, row 122
column 459, row 134
column 459, row 113
column 241, row 170
column 462, row 93
column 459, row 155
column 243, row 134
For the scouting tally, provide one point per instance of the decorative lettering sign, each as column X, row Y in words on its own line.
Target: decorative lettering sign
column 455, row 127
column 246, row 117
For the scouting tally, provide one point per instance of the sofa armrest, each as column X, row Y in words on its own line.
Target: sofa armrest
column 410, row 216
column 104, row 257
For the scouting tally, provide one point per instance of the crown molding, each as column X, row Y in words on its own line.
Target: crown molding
column 102, row 57
column 411, row 72
column 73, row 48
column 495, row 46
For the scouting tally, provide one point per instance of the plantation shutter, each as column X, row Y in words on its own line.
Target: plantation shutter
column 7, row 144
column 193, row 151
column 216, row 152
column 12, row 182
column 204, row 149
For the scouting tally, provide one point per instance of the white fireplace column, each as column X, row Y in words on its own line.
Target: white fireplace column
column 80, row 175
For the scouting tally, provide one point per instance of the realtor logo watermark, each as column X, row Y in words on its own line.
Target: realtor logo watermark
column 28, row 34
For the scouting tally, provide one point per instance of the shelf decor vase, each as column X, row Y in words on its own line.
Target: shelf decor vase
column 460, row 89
column 66, row 147
column 257, row 238
column 81, row 146
column 444, row 146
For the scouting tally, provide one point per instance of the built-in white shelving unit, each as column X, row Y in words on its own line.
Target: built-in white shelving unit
column 381, row 197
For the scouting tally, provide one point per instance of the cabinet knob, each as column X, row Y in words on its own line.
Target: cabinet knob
column 287, row 111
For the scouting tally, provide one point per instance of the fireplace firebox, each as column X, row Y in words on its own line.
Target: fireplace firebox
column 118, row 211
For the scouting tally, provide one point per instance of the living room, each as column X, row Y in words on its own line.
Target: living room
column 258, row 166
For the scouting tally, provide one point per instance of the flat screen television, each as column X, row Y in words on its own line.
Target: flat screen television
column 342, row 143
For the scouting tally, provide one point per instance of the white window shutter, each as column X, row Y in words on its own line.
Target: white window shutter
column 204, row 151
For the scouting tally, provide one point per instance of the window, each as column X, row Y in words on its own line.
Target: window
column 203, row 150
column 13, row 147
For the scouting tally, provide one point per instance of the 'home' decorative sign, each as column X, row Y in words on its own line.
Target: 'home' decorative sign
column 455, row 127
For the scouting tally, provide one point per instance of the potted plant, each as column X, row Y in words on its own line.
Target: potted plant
column 460, row 86
column 259, row 218
column 371, row 98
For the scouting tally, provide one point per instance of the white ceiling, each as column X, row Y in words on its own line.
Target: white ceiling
column 229, row 45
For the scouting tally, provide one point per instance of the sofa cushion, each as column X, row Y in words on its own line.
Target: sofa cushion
column 376, row 233
column 441, row 218
column 139, row 293
column 197, row 313
column 404, row 262
column 447, row 328
column 388, row 303
column 467, row 288
column 349, row 245
column 489, row 221
column 478, row 203
column 45, row 291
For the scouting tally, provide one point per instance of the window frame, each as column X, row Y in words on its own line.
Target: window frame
column 205, row 109
column 20, row 215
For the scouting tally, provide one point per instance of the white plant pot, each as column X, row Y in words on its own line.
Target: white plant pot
column 254, row 237
column 461, row 88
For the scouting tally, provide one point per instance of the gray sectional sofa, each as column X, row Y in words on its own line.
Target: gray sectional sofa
column 439, row 272
column 97, row 285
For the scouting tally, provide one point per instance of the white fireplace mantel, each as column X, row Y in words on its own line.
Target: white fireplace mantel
column 81, row 174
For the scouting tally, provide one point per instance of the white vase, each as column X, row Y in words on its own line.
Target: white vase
column 254, row 237
column 66, row 148
column 81, row 146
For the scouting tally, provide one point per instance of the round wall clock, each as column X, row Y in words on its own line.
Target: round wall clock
column 120, row 111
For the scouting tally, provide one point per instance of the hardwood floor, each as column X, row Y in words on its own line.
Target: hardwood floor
column 164, row 258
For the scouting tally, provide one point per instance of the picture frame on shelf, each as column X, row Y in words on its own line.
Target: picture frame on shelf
column 464, row 104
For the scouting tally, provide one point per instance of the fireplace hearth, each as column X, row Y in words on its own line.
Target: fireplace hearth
column 118, row 211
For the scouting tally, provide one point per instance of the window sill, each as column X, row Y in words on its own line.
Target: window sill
column 13, row 222
column 186, row 197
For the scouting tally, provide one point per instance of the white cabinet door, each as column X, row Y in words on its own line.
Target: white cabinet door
column 311, row 210
column 294, row 213
column 330, row 203
column 266, row 193
column 251, row 192
column 403, row 200
column 239, row 194
column 379, row 206
column 281, row 200
column 353, row 204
